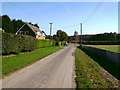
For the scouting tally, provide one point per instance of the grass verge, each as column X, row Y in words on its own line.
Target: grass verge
column 88, row 73
column 13, row 63
column 103, row 61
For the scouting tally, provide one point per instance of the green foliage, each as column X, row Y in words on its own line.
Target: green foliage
column 104, row 37
column 16, row 43
column 17, row 24
column 45, row 43
column 56, row 38
column 7, row 24
column 58, row 43
column 60, row 36
column 20, row 43
column 89, row 73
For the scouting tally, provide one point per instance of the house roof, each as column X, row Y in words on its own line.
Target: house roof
column 34, row 28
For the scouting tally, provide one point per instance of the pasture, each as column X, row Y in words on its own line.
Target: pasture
column 113, row 48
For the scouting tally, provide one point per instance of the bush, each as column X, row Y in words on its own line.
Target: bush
column 58, row 43
column 16, row 43
column 45, row 43
column 20, row 43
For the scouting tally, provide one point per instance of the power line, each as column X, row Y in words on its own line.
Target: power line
column 66, row 27
column 94, row 11
column 87, row 19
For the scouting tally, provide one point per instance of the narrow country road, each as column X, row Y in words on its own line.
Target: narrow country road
column 54, row 71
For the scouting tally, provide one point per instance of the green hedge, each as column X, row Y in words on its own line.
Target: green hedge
column 58, row 43
column 16, row 43
column 45, row 43
column 20, row 43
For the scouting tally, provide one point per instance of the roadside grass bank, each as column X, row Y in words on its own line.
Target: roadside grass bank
column 89, row 73
column 103, row 61
column 113, row 48
column 13, row 63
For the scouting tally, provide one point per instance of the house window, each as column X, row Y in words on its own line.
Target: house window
column 21, row 32
column 26, row 33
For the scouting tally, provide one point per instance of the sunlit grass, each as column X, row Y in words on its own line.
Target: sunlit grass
column 113, row 48
column 88, row 72
column 13, row 63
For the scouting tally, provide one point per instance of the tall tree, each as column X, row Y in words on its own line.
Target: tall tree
column 61, row 35
column 36, row 25
column 17, row 24
column 7, row 25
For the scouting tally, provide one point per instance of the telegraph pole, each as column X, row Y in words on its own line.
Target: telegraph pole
column 50, row 29
column 81, row 34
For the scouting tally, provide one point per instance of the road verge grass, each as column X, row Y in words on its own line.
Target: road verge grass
column 13, row 63
column 88, row 72
column 103, row 61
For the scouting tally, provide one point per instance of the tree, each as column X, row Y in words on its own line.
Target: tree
column 64, row 36
column 61, row 36
column 7, row 25
column 17, row 24
column 104, row 37
column 55, row 37
column 36, row 25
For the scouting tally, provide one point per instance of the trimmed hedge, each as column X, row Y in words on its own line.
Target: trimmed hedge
column 17, row 43
column 21, row 43
column 45, row 43
column 58, row 43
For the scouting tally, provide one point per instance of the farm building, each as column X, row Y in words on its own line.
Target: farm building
column 32, row 30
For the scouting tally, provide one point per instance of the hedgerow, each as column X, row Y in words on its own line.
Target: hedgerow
column 16, row 43
column 45, row 43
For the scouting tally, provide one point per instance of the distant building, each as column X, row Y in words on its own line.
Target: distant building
column 32, row 30
column 77, row 37
column 75, row 33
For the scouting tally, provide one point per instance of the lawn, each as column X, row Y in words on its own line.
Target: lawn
column 13, row 63
column 88, row 72
column 113, row 48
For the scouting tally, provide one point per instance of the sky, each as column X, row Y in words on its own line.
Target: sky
column 97, row 17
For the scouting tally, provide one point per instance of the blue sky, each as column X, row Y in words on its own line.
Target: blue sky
column 97, row 17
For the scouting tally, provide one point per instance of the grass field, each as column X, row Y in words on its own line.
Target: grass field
column 88, row 72
column 113, row 48
column 13, row 63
